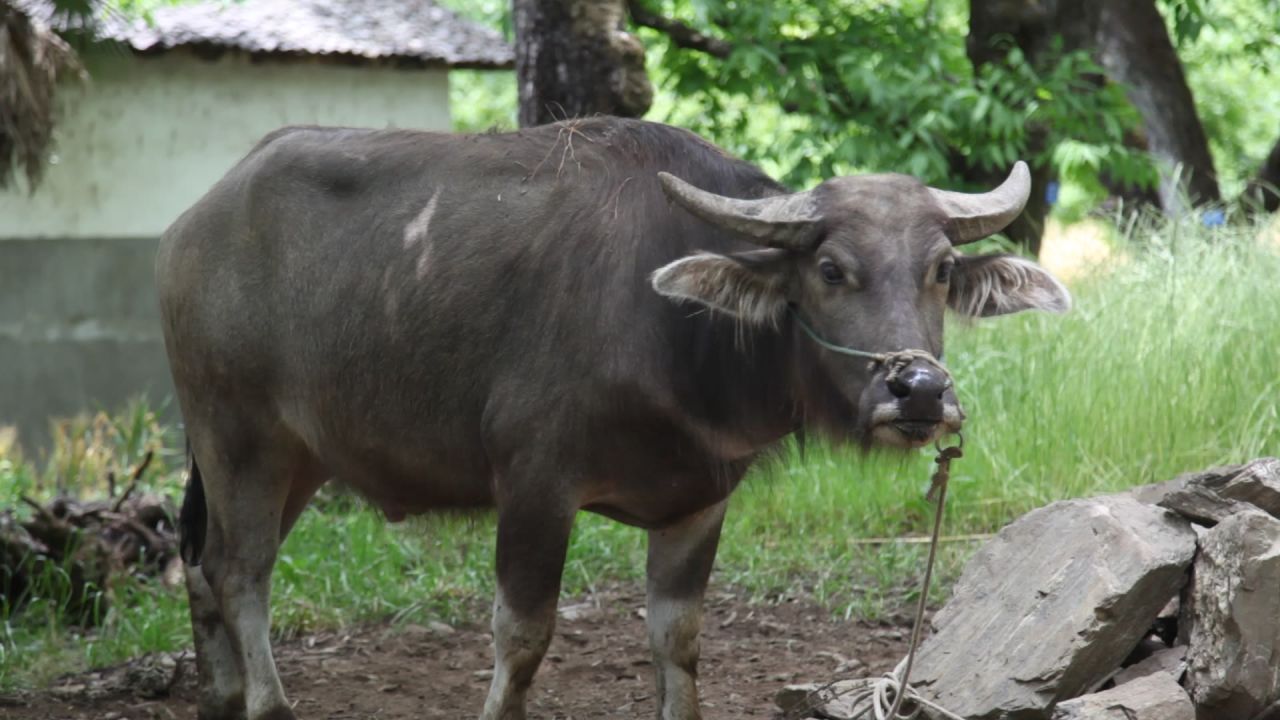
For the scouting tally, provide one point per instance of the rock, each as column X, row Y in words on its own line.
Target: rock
column 1154, row 697
column 1257, row 483
column 1152, row 494
column 1211, row 495
column 823, row 700
column 439, row 628
column 792, row 699
column 1170, row 661
column 151, row 676
column 1052, row 605
column 578, row 611
column 1200, row 504
column 1147, row 646
column 1271, row 713
column 1233, row 662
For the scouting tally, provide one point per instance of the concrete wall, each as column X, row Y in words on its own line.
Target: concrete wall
column 79, row 328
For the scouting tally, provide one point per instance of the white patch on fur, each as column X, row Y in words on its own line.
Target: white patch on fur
column 723, row 284
column 884, row 433
column 888, row 436
column 952, row 417
column 883, row 413
column 390, row 295
column 1008, row 285
column 674, row 626
column 674, row 623
column 262, row 689
column 416, row 233
column 518, row 644
column 220, row 680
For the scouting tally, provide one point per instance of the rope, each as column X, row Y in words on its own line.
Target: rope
column 883, row 698
column 895, row 362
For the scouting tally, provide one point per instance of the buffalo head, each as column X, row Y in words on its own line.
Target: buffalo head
column 866, row 262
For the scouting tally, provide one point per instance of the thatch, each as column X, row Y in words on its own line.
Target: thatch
column 32, row 60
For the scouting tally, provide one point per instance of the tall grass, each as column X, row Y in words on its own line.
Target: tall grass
column 1167, row 363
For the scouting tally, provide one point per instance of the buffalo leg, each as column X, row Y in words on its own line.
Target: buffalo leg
column 532, row 540
column 221, row 694
column 221, row 686
column 680, row 560
column 247, row 516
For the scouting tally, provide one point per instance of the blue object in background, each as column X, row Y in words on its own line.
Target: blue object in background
column 1213, row 218
column 1051, row 192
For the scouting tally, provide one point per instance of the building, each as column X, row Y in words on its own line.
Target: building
column 171, row 105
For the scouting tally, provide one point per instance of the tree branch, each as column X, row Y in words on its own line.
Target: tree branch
column 681, row 34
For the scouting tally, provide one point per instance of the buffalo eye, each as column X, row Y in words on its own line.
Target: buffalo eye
column 944, row 271
column 831, row 273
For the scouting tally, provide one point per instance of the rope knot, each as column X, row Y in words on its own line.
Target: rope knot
column 896, row 362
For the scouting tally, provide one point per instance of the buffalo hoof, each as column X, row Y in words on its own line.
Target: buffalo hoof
column 278, row 713
column 226, row 710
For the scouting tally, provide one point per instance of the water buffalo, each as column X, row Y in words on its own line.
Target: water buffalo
column 598, row 315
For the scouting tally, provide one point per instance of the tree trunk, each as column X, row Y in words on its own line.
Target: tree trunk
column 1263, row 191
column 574, row 59
column 1129, row 40
column 1032, row 27
column 1133, row 46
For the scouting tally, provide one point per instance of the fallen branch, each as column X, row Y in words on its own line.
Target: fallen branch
column 133, row 480
column 82, row 545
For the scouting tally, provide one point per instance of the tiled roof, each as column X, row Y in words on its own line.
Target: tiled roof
column 359, row 29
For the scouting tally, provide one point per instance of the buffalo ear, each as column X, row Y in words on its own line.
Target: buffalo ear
column 748, row 285
column 999, row 284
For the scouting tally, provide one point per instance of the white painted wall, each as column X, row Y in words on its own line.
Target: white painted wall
column 150, row 135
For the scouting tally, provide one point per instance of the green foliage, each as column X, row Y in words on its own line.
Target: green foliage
column 93, row 10
column 44, row 637
column 878, row 86
column 1230, row 49
column 494, row 13
column 1057, row 408
column 482, row 100
column 1186, row 19
column 817, row 89
column 1080, row 168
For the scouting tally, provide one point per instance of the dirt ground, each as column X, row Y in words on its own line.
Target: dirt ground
column 598, row 667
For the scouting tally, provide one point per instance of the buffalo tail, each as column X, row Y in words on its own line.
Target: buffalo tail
column 193, row 517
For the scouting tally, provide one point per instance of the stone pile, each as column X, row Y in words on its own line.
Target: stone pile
column 1162, row 603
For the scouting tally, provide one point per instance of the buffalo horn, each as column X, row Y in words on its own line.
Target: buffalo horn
column 977, row 215
column 782, row 221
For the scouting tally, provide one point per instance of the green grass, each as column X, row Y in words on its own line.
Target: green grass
column 1168, row 363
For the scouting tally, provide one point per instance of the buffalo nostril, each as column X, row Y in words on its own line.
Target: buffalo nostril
column 919, row 385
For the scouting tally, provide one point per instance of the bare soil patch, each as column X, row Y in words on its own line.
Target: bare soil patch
column 598, row 667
